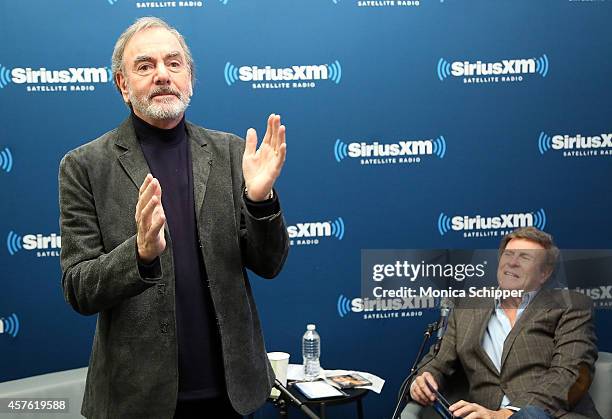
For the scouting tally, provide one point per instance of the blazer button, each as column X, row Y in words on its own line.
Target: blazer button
column 163, row 327
column 161, row 289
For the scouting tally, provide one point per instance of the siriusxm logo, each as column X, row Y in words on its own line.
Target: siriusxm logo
column 577, row 145
column 9, row 325
column 6, row 160
column 310, row 233
column 377, row 308
column 601, row 295
column 43, row 245
column 43, row 80
column 479, row 226
column 399, row 152
column 602, row 292
column 486, row 72
column 296, row 76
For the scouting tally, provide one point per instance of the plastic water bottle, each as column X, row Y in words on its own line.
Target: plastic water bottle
column 311, row 351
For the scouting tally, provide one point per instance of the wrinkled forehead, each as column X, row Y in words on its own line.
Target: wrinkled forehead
column 152, row 43
column 524, row 244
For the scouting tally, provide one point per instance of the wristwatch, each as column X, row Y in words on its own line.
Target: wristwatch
column 267, row 199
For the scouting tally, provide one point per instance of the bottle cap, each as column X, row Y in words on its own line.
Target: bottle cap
column 310, row 327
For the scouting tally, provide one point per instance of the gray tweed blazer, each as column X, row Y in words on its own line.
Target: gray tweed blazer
column 133, row 370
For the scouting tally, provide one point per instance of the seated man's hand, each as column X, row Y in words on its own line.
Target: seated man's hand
column 420, row 391
column 463, row 409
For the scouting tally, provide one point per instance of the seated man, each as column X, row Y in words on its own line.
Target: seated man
column 527, row 357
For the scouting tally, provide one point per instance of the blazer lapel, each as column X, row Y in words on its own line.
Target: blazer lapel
column 201, row 160
column 130, row 154
column 484, row 319
column 539, row 303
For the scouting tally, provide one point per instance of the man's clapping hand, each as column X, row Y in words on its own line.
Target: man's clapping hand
column 261, row 167
column 150, row 220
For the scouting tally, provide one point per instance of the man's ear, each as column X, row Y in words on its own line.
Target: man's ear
column 546, row 274
column 121, row 81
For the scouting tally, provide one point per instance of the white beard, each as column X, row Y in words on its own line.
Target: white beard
column 168, row 109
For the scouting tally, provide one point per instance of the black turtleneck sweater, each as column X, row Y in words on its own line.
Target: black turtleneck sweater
column 200, row 362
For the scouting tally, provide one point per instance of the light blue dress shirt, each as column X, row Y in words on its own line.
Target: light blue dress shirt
column 498, row 329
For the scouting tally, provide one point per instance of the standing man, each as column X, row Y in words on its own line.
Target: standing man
column 159, row 220
column 530, row 357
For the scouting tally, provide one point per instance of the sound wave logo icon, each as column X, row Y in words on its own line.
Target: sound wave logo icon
column 337, row 228
column 112, row 2
column 343, row 306
column 401, row 151
column 293, row 76
column 340, row 150
column 230, row 73
column 544, row 142
column 5, row 76
column 542, row 65
column 335, row 71
column 443, row 69
column 539, row 219
column 6, row 160
column 444, row 224
column 13, row 243
column 439, row 146
column 9, row 325
column 224, row 2
column 505, row 70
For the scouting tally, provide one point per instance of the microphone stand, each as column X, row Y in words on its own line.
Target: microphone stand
column 291, row 398
column 404, row 389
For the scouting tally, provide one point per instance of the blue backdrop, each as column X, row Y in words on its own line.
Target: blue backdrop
column 403, row 118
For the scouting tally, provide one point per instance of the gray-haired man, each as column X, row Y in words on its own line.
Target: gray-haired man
column 178, row 333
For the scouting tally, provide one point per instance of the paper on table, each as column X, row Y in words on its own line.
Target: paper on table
column 318, row 390
column 295, row 372
column 377, row 382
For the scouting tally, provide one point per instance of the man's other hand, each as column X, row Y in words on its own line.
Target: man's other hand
column 421, row 392
column 469, row 410
column 261, row 167
column 150, row 220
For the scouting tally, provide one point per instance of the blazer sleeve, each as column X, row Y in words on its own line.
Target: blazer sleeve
column 575, row 351
column 92, row 278
column 444, row 364
column 264, row 242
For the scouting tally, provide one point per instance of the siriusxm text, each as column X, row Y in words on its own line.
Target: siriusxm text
column 38, row 241
column 321, row 229
column 482, row 223
column 566, row 142
column 466, row 68
column 402, row 148
column 301, row 72
column 70, row 75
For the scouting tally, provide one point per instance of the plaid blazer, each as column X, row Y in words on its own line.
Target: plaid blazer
column 547, row 360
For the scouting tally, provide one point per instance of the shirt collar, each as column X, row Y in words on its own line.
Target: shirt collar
column 527, row 298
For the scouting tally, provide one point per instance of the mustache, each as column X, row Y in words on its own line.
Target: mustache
column 165, row 90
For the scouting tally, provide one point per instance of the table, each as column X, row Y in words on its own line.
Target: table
column 320, row 406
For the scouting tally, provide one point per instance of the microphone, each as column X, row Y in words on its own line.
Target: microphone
column 446, row 306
